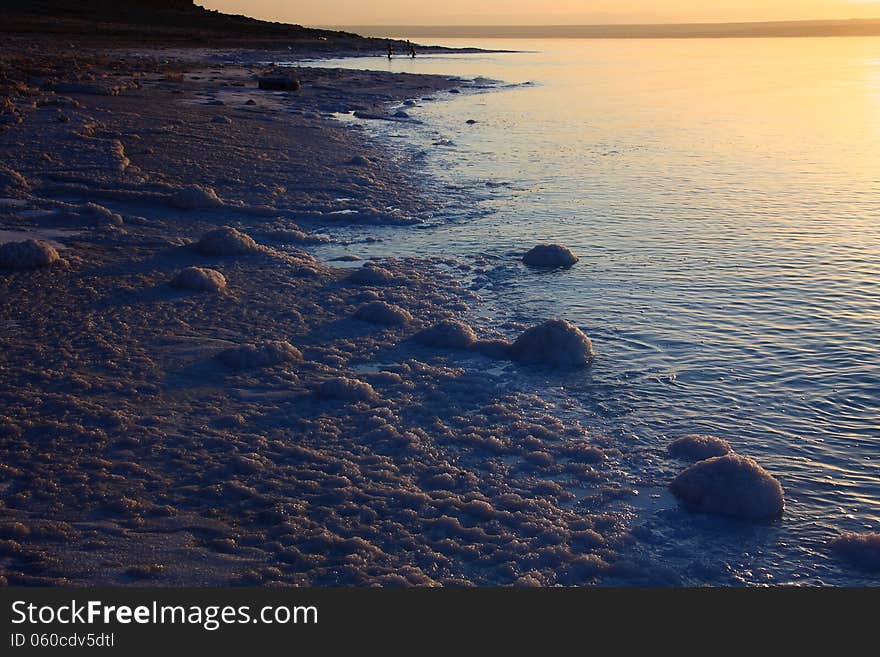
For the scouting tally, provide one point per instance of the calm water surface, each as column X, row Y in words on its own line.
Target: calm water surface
column 725, row 198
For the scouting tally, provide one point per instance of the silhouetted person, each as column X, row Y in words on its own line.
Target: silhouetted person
column 412, row 49
column 390, row 50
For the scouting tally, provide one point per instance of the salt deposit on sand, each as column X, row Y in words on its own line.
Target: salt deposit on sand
column 195, row 197
column 226, row 241
column 12, row 183
column 731, row 485
column 555, row 343
column 347, row 389
column 861, row 550
column 29, row 254
column 98, row 214
column 495, row 348
column 371, row 274
column 296, row 236
column 381, row 312
column 447, row 334
column 199, row 279
column 262, row 354
column 698, row 447
column 173, row 467
column 550, row 256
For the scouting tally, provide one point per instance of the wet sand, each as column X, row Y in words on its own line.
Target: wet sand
column 131, row 453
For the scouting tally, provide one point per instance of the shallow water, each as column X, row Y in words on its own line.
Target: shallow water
column 723, row 196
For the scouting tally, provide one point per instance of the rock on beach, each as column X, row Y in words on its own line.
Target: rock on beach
column 698, row 447
column 381, row 312
column 555, row 343
column 225, row 241
column 549, row 256
column 447, row 334
column 28, row 254
column 199, row 279
column 733, row 486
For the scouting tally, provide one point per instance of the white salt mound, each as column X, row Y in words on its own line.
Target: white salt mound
column 195, row 197
column 263, row 354
column 555, row 343
column 225, row 241
column 371, row 274
column 29, row 254
column 698, row 447
column 861, row 550
column 199, row 279
column 346, row 389
column 731, row 485
column 381, row 312
column 550, row 255
column 448, row 334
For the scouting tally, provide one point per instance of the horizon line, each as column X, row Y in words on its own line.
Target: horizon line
column 577, row 25
column 848, row 27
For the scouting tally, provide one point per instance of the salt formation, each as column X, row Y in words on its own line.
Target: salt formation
column 555, row 343
column 359, row 161
column 12, row 183
column 263, row 354
column 447, row 334
column 29, row 254
column 550, row 256
column 199, row 279
column 296, row 236
column 100, row 214
column 371, row 274
column 346, row 389
column 223, row 120
column 698, row 447
column 731, row 485
column 225, row 241
column 495, row 348
column 195, row 197
column 861, row 550
column 381, row 312
column 117, row 154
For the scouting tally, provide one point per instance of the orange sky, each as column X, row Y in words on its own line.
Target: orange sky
column 513, row 12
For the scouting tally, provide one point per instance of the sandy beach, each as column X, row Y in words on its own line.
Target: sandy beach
column 284, row 422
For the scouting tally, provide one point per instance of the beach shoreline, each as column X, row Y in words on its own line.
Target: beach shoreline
column 144, row 442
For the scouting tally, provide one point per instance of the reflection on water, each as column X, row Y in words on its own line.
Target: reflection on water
column 724, row 198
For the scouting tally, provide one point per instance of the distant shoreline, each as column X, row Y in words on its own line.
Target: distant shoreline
column 774, row 29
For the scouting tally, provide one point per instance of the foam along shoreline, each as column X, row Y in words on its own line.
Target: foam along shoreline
column 192, row 398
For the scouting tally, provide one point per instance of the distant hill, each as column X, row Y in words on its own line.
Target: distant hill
column 94, row 9
column 173, row 21
column 823, row 28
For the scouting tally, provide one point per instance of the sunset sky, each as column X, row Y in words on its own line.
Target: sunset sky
column 512, row 12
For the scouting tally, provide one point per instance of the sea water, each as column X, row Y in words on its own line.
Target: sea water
column 724, row 197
